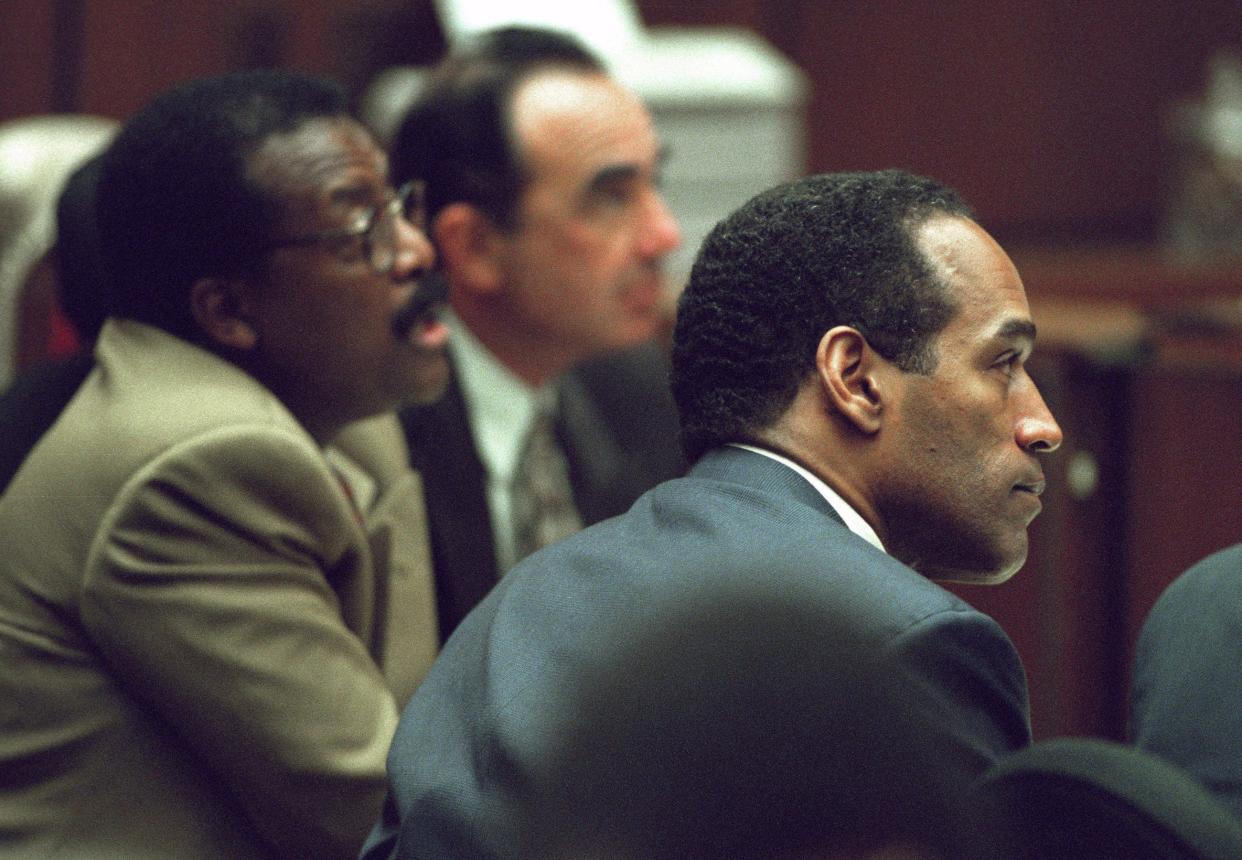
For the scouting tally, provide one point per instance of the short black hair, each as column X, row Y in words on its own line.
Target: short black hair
column 458, row 135
column 82, row 286
column 770, row 279
column 176, row 202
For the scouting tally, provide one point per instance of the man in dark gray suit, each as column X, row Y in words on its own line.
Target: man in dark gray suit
column 1186, row 689
column 849, row 364
column 541, row 174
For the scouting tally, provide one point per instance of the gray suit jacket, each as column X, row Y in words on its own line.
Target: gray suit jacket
column 466, row 759
column 1186, row 688
column 204, row 648
column 618, row 426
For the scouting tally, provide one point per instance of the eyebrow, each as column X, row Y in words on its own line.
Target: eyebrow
column 611, row 173
column 1016, row 329
column 357, row 193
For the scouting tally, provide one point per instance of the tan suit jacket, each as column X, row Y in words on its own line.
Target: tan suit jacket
column 204, row 644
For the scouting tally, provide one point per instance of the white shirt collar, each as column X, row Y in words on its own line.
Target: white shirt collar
column 853, row 520
column 502, row 407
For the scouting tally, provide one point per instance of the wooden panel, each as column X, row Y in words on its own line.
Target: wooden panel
column 136, row 48
column 1187, row 465
column 1047, row 116
column 1143, row 276
column 26, row 57
column 1023, row 107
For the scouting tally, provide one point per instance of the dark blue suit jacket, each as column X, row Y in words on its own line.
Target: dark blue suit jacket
column 1186, row 687
column 467, row 753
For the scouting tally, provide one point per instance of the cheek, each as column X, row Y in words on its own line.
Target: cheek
column 973, row 457
column 593, row 248
column 964, row 417
column 353, row 316
column 954, row 444
column 583, row 274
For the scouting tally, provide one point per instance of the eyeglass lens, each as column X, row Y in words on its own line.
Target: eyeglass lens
column 383, row 234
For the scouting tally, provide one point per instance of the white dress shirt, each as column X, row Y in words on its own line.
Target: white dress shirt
column 502, row 409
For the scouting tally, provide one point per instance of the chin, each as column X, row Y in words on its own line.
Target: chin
column 640, row 323
column 972, row 577
column 993, row 574
column 426, row 382
column 635, row 331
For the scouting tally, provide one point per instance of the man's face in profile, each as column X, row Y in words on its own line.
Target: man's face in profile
column 584, row 261
column 342, row 320
column 963, row 482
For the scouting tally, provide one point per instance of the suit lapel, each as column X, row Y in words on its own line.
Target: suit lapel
column 442, row 450
column 596, row 461
column 406, row 639
column 619, row 429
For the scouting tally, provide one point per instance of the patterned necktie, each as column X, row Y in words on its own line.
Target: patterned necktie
column 543, row 504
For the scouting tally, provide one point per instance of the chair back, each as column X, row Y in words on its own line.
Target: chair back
column 37, row 154
column 1092, row 799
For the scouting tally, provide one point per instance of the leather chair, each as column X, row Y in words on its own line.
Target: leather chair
column 36, row 155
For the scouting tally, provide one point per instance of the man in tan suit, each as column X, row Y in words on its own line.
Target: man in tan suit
column 205, row 635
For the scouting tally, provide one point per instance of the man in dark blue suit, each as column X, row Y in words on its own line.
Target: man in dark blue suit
column 1186, row 687
column 849, row 365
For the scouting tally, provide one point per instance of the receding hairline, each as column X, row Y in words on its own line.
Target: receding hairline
column 946, row 271
column 520, row 127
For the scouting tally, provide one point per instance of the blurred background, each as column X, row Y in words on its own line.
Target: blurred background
column 1100, row 142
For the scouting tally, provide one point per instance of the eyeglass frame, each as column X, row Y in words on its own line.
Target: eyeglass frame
column 408, row 202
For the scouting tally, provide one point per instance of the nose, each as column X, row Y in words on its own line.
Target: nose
column 414, row 251
column 1037, row 431
column 660, row 232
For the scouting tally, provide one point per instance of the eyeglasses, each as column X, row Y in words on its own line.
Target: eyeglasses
column 376, row 227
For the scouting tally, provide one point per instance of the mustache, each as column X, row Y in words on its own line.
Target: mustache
column 432, row 290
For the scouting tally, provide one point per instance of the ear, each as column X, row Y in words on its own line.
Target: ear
column 848, row 371
column 470, row 247
column 222, row 309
